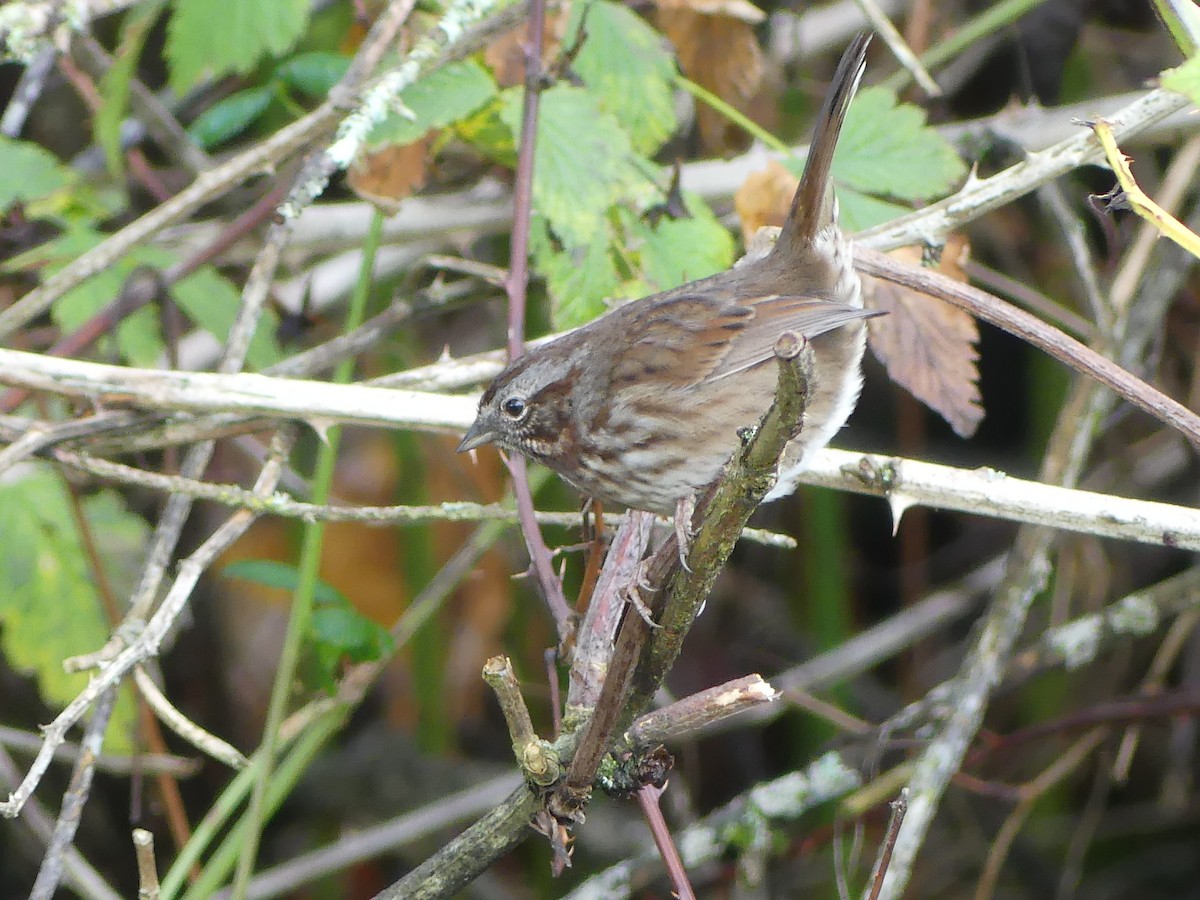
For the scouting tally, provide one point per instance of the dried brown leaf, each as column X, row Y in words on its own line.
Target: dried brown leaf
column 716, row 46
column 764, row 198
column 390, row 174
column 733, row 9
column 506, row 54
column 927, row 345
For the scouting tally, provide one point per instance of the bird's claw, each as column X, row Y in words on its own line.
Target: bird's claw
column 685, row 508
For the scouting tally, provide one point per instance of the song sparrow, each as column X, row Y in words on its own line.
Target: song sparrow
column 642, row 407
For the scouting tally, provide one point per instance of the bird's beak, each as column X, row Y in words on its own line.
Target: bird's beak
column 477, row 435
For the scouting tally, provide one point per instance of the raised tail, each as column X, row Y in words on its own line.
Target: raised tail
column 812, row 204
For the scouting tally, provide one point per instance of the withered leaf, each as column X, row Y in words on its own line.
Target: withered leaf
column 506, row 54
column 927, row 345
column 388, row 175
column 717, row 48
column 764, row 198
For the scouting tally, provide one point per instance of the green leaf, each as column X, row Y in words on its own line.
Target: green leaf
column 313, row 73
column 489, row 134
column 336, row 631
column 1182, row 20
column 212, row 302
column 139, row 340
column 888, row 150
column 1184, row 79
column 114, row 86
column 344, row 629
column 49, row 605
column 627, row 65
column 584, row 162
column 859, row 211
column 273, row 574
column 27, row 172
column 215, row 37
column 229, row 117
column 444, row 96
column 676, row 251
column 579, row 280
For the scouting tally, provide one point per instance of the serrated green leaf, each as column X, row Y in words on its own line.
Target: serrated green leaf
column 114, row 86
column 888, row 150
column 578, row 280
column 313, row 73
column 444, row 96
column 1184, row 79
column 27, row 172
column 211, row 301
column 584, row 161
column 676, row 251
column 139, row 340
column 627, row 65
column 229, row 117
column 274, row 574
column 49, row 606
column 220, row 36
column 859, row 211
column 489, row 134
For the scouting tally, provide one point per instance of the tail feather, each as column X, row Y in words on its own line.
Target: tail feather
column 812, row 204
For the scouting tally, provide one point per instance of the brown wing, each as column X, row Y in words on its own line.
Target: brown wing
column 678, row 340
column 689, row 339
column 771, row 317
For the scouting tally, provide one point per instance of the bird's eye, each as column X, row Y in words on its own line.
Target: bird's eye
column 514, row 407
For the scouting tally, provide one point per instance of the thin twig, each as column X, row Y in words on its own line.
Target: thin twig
column 115, row 764
column 1075, row 235
column 202, row 740
column 79, row 872
column 143, row 845
column 700, row 711
column 1062, row 766
column 1175, row 183
column 516, row 285
column 592, row 658
column 536, row 758
column 648, row 799
column 1138, row 200
column 28, row 89
column 74, row 800
column 895, row 42
column 899, row 808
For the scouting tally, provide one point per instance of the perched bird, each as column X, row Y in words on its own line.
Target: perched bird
column 642, row 406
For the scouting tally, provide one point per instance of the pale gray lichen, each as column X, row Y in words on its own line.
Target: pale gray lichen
column 21, row 30
column 1076, row 643
column 697, row 845
column 384, row 97
column 25, row 28
column 1135, row 614
column 797, row 792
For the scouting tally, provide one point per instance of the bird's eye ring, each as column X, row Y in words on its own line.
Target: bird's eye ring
column 513, row 407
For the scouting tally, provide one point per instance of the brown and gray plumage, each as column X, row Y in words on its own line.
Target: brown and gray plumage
column 642, row 407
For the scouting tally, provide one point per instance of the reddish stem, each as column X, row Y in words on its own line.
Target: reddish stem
column 516, row 285
column 647, row 797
